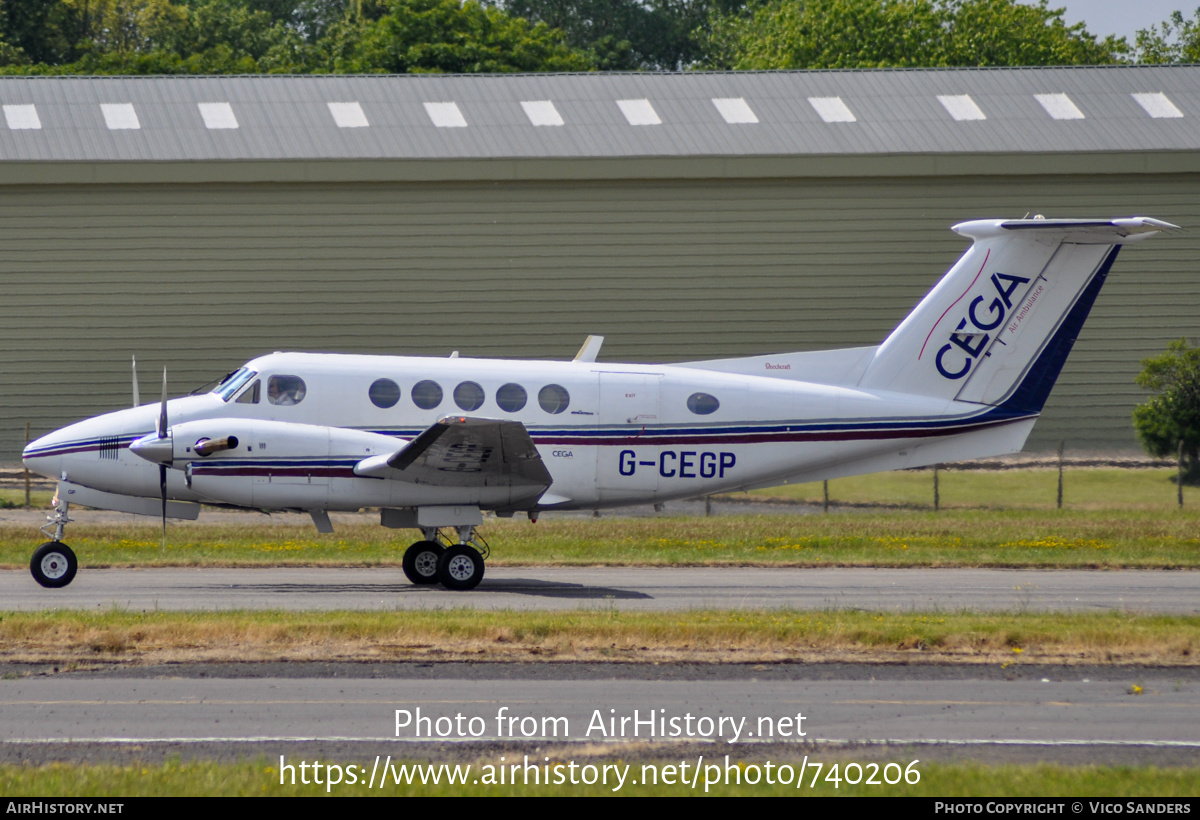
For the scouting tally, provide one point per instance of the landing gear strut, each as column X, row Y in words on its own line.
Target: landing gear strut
column 54, row 564
column 439, row 559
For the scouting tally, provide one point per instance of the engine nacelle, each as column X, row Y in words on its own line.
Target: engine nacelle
column 269, row 464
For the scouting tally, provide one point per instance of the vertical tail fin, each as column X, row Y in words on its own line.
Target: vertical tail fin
column 998, row 327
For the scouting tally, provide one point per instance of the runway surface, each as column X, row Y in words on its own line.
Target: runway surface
column 628, row 589
column 1082, row 714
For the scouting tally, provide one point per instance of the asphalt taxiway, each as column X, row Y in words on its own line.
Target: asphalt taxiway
column 624, row 588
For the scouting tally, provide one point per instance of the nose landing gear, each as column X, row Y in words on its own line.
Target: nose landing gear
column 54, row 564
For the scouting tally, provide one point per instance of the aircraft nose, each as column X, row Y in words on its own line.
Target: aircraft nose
column 44, row 455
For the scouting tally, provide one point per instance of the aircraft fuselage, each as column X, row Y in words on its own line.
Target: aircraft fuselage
column 608, row 434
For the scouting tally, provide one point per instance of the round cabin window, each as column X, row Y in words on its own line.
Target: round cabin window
column 553, row 398
column 468, row 396
column 384, row 393
column 511, row 397
column 427, row 394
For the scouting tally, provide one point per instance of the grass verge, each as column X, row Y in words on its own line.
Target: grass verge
column 1088, row 488
column 261, row 778
column 72, row 639
column 895, row 538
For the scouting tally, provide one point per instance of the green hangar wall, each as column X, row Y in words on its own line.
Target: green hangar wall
column 200, row 265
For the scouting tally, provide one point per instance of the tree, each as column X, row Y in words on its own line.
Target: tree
column 1173, row 416
column 790, row 34
column 447, row 36
column 626, row 35
column 1175, row 40
column 1008, row 33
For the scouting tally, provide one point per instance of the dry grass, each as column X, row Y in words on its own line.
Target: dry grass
column 75, row 639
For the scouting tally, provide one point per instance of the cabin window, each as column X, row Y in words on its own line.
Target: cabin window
column 468, row 396
column 285, row 390
column 511, row 397
column 553, row 398
column 233, row 382
column 251, row 394
column 384, row 393
column 427, row 394
column 702, row 404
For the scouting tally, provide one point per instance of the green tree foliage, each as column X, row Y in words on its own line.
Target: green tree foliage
column 630, row 35
column 447, row 36
column 1175, row 40
column 781, row 34
column 270, row 36
column 1172, row 416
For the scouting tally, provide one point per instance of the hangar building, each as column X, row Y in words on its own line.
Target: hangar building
column 199, row 221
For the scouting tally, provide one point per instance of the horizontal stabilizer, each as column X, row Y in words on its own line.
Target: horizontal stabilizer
column 465, row 452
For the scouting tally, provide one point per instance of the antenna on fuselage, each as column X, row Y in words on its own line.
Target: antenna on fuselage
column 136, row 400
column 590, row 349
column 454, row 354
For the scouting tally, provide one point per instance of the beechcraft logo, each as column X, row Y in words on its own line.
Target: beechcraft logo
column 972, row 334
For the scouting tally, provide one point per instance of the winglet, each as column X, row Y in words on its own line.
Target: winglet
column 590, row 349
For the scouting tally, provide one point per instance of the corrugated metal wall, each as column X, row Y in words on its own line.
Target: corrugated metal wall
column 200, row 278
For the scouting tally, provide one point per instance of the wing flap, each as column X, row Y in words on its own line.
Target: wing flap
column 465, row 452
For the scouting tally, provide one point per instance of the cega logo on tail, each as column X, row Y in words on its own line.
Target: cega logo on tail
column 973, row 341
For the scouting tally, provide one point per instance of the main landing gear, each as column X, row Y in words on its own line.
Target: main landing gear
column 54, row 564
column 439, row 560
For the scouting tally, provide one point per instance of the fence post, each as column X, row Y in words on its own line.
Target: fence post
column 1179, row 477
column 937, row 496
column 1060, row 468
column 825, row 485
column 27, row 504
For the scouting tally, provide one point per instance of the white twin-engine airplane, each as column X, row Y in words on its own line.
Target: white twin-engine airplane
column 433, row 442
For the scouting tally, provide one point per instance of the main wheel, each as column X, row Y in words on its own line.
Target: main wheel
column 421, row 562
column 53, row 565
column 461, row 568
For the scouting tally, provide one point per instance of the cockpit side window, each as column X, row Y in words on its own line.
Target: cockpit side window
column 285, row 390
column 251, row 394
column 233, row 383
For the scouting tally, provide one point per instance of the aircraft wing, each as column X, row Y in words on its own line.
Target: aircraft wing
column 465, row 452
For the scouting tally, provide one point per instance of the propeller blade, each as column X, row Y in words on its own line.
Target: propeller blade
column 162, row 491
column 136, row 399
column 162, row 468
column 162, row 415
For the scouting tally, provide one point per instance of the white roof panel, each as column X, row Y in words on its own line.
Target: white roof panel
column 1059, row 106
column 445, row 115
column 961, row 107
column 735, row 110
column 217, row 115
column 348, row 115
column 639, row 112
column 1158, row 106
column 542, row 112
column 832, row 109
column 120, row 116
column 22, row 117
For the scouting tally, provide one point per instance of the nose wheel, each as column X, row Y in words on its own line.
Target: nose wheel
column 54, row 564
